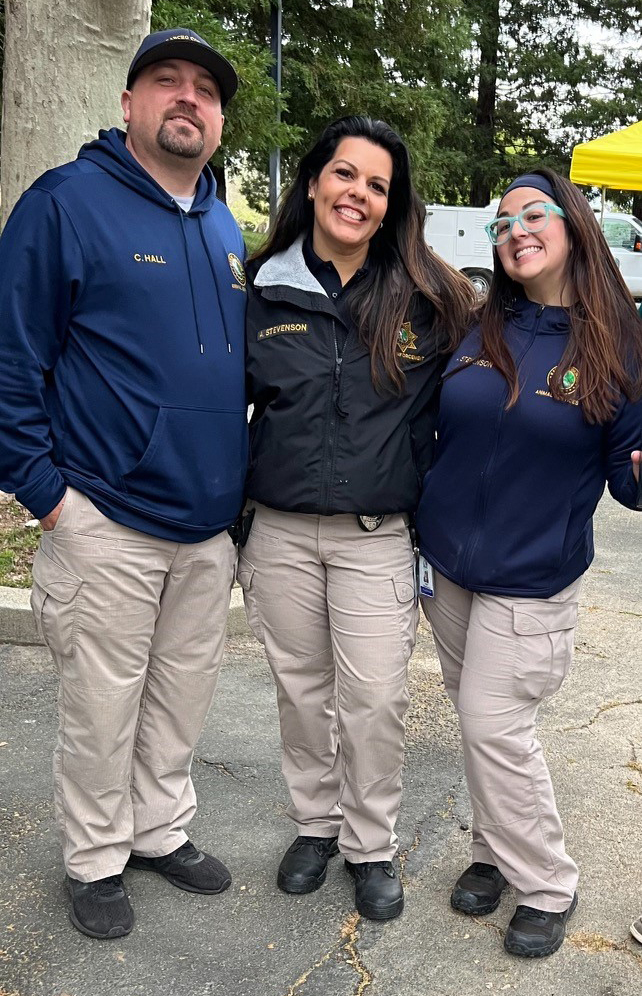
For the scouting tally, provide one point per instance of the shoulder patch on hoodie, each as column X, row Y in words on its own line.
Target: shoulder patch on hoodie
column 238, row 271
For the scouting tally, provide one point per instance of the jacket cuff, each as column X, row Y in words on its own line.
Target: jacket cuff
column 42, row 498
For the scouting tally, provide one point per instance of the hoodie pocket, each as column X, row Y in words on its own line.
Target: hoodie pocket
column 194, row 466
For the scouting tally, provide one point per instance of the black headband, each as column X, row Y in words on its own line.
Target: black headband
column 532, row 180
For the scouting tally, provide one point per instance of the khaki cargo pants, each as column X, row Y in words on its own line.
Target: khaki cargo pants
column 500, row 658
column 334, row 607
column 136, row 627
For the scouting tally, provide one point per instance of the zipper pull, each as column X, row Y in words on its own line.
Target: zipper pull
column 337, row 387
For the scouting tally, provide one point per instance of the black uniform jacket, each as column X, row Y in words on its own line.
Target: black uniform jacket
column 322, row 440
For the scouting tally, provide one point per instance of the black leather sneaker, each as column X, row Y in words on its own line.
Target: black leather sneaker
column 478, row 890
column 187, row 868
column 305, row 863
column 378, row 890
column 100, row 909
column 535, row 933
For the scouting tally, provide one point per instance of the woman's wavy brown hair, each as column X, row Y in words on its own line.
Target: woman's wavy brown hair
column 605, row 340
column 401, row 264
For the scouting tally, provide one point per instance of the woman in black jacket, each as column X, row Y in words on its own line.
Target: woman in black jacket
column 350, row 318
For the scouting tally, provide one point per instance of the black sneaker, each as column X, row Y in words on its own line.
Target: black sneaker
column 305, row 863
column 478, row 890
column 100, row 909
column 378, row 890
column 535, row 933
column 188, row 869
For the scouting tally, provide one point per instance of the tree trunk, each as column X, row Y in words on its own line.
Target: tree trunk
column 65, row 66
column 637, row 205
column 480, row 181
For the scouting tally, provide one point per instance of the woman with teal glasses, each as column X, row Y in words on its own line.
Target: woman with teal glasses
column 540, row 408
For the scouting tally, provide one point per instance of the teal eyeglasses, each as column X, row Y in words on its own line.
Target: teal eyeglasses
column 533, row 218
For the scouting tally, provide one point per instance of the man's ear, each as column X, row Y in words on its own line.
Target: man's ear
column 125, row 103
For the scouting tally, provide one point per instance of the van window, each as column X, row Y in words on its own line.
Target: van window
column 619, row 234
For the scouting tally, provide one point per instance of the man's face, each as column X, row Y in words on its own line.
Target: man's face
column 173, row 109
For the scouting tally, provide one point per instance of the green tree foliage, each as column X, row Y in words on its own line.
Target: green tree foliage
column 543, row 78
column 251, row 127
column 393, row 60
column 479, row 89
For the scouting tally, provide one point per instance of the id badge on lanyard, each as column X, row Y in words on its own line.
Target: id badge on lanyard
column 426, row 578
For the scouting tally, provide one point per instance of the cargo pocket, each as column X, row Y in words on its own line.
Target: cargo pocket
column 407, row 610
column 545, row 632
column 245, row 577
column 54, row 603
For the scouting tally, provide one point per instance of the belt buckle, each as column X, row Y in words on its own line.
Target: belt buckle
column 370, row 522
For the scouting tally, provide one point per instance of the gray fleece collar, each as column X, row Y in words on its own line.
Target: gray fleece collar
column 289, row 268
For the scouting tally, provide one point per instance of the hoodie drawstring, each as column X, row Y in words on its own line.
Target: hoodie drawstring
column 214, row 275
column 191, row 284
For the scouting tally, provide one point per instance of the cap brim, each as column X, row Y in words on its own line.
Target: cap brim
column 191, row 51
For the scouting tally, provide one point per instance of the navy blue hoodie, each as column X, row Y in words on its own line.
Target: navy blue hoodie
column 507, row 506
column 122, row 347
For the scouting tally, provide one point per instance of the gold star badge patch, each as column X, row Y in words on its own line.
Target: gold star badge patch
column 407, row 338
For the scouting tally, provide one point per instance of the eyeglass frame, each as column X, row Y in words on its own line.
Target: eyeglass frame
column 512, row 219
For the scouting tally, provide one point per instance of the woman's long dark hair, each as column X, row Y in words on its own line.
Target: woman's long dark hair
column 402, row 263
column 605, row 341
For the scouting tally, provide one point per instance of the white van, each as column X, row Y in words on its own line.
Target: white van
column 457, row 235
column 623, row 233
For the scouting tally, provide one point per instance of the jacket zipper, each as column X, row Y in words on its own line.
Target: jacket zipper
column 334, row 414
column 485, row 476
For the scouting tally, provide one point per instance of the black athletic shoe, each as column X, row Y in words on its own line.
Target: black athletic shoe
column 100, row 909
column 378, row 890
column 535, row 933
column 188, row 869
column 478, row 890
column 305, row 863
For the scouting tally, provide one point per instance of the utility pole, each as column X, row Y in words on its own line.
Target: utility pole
column 275, row 73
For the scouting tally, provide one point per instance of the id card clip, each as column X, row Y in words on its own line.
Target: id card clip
column 426, row 579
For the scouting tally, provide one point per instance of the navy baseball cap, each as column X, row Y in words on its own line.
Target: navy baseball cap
column 183, row 43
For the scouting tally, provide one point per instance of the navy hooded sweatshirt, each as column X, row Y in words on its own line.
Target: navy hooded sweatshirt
column 122, row 347
column 507, row 506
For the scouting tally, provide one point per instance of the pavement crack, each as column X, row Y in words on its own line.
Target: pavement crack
column 351, row 954
column 303, row 978
column 405, row 854
column 615, row 612
column 489, row 925
column 603, row 708
column 598, row 944
column 347, row 951
column 220, row 767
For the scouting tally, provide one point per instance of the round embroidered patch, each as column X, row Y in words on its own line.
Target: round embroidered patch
column 236, row 266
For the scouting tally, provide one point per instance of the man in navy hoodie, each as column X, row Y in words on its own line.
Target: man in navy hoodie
column 123, row 429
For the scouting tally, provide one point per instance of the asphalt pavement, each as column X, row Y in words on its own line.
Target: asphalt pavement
column 254, row 940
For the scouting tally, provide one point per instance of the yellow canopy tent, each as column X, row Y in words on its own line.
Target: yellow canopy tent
column 613, row 161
